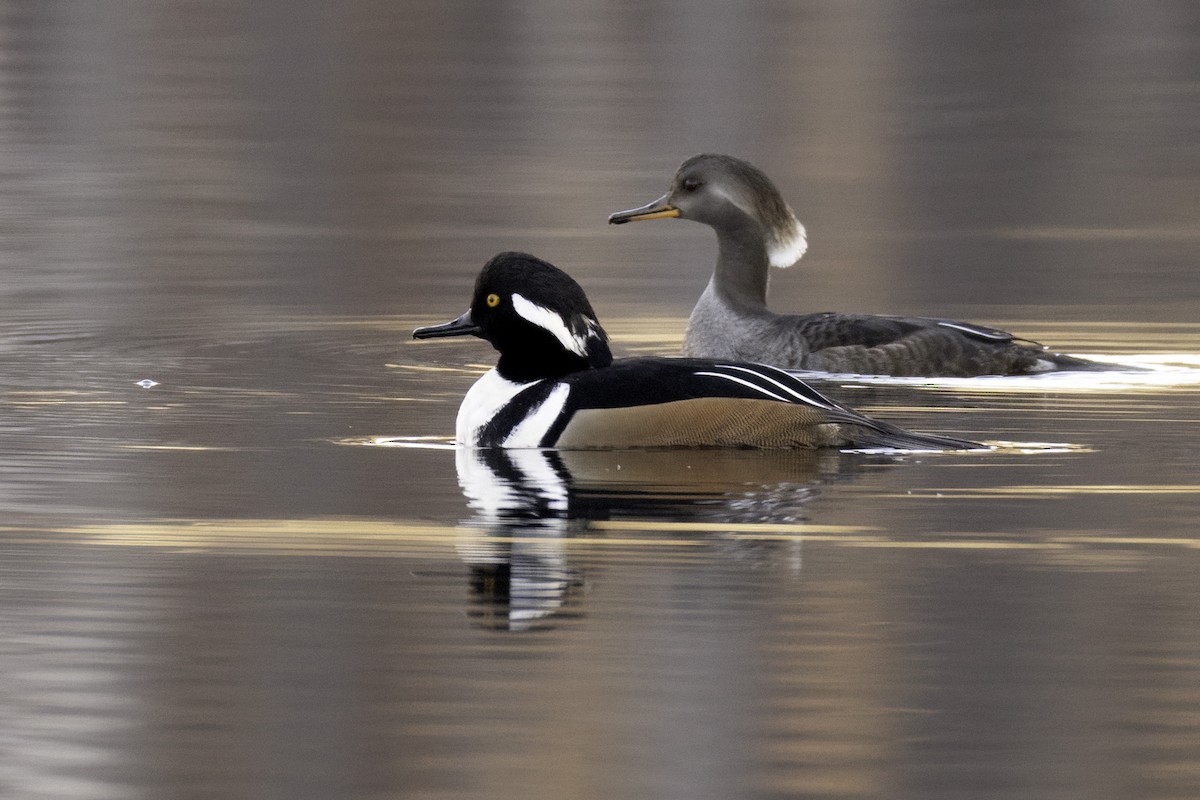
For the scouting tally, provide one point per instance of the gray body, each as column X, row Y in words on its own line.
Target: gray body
column 757, row 230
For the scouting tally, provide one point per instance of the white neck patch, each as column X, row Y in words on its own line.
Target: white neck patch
column 784, row 248
column 552, row 323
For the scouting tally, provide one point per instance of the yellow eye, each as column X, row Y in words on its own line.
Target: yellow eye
column 493, row 300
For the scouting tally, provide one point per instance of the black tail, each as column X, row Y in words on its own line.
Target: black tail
column 883, row 435
column 1075, row 364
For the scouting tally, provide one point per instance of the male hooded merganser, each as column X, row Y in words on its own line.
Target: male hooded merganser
column 756, row 230
column 556, row 384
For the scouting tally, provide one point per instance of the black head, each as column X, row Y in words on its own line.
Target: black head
column 728, row 193
column 535, row 315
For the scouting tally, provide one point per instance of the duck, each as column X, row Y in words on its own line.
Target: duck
column 557, row 385
column 756, row 230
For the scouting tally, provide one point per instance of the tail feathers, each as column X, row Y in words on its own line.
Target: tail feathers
column 882, row 435
column 1050, row 361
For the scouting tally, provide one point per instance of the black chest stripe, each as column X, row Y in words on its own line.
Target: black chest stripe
column 514, row 412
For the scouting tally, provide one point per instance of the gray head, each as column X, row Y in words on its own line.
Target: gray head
column 725, row 192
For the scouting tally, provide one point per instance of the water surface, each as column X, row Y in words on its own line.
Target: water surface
column 269, row 575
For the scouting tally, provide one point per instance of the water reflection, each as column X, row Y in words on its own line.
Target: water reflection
column 521, row 500
column 202, row 596
column 529, row 503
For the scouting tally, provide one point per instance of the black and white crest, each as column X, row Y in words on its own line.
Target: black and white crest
column 538, row 317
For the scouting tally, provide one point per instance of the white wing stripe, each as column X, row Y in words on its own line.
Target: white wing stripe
column 801, row 397
column 975, row 331
column 734, row 379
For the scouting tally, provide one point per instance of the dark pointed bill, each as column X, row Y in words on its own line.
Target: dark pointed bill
column 463, row 326
column 659, row 209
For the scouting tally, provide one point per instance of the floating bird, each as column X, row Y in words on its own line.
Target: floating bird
column 556, row 383
column 757, row 230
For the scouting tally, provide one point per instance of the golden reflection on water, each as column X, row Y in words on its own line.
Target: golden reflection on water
column 34, row 399
column 353, row 537
column 1054, row 233
column 432, row 368
column 744, row 529
column 208, row 171
column 183, row 448
column 1053, row 491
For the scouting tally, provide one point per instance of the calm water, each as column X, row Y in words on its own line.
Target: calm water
column 269, row 575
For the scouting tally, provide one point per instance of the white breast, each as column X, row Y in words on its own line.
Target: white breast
column 493, row 392
column 489, row 394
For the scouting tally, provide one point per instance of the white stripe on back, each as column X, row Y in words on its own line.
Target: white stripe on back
column 746, row 383
column 801, row 397
column 975, row 331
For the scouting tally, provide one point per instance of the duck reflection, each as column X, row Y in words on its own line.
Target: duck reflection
column 519, row 572
column 528, row 504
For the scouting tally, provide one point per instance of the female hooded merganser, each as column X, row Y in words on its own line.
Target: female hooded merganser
column 756, row 230
column 556, row 384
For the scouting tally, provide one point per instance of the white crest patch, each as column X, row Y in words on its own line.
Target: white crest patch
column 552, row 323
column 784, row 247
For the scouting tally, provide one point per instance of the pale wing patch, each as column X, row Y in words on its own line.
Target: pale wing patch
column 552, row 323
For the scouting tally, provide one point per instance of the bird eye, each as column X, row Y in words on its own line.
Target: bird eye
column 493, row 300
column 692, row 184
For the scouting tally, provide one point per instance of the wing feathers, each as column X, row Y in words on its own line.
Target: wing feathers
column 702, row 422
column 667, row 402
column 743, row 382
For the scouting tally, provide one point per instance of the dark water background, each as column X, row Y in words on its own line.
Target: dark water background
column 262, row 578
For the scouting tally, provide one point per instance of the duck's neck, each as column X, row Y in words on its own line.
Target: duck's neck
column 741, row 275
column 531, row 362
column 528, row 367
